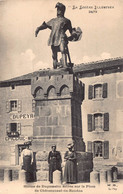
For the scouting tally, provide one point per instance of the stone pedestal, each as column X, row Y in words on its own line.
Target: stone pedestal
column 109, row 176
column 94, row 177
column 57, row 105
column 57, row 120
column 7, row 175
column 103, row 176
column 1, row 175
column 57, row 177
column 22, row 176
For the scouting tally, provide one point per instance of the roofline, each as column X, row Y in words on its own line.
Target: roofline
column 79, row 68
column 96, row 65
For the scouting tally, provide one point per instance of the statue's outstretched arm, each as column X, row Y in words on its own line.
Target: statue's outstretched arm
column 42, row 27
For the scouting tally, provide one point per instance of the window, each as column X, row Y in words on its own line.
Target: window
column 97, row 91
column 100, row 149
column 13, row 129
column 13, row 105
column 98, row 122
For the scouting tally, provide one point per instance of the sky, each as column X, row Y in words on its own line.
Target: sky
column 21, row 52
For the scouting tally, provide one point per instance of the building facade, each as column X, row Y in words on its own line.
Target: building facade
column 102, row 113
column 16, row 121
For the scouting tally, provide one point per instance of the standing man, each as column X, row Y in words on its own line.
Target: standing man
column 58, row 39
column 54, row 161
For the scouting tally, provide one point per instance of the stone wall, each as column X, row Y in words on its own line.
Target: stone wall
column 57, row 120
column 42, row 166
column 84, row 166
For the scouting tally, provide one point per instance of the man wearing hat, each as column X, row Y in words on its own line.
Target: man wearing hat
column 54, row 161
column 58, row 39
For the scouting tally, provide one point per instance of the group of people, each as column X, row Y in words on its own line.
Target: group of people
column 54, row 161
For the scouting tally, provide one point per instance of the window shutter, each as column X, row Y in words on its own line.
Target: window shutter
column 83, row 91
column 93, row 125
column 8, row 127
column 106, row 122
column 89, row 122
column 106, row 149
column 89, row 148
column 93, row 149
column 33, row 105
column 90, row 92
column 8, row 106
column 105, row 87
column 19, row 128
column 19, row 105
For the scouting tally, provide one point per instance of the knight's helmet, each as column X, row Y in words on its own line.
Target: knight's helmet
column 61, row 7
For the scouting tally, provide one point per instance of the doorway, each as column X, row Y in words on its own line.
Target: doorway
column 18, row 149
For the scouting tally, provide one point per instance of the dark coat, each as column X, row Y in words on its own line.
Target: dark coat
column 54, row 160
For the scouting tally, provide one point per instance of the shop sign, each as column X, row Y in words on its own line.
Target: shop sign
column 22, row 116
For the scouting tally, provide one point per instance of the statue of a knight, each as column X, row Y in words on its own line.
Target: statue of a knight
column 58, row 40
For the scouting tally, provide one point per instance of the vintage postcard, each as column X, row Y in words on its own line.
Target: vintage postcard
column 61, row 96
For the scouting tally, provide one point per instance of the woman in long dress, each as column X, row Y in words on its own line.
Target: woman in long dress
column 26, row 160
column 70, row 165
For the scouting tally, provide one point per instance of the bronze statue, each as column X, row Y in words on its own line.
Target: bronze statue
column 58, row 40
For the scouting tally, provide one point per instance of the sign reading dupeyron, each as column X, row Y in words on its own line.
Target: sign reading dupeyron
column 22, row 116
